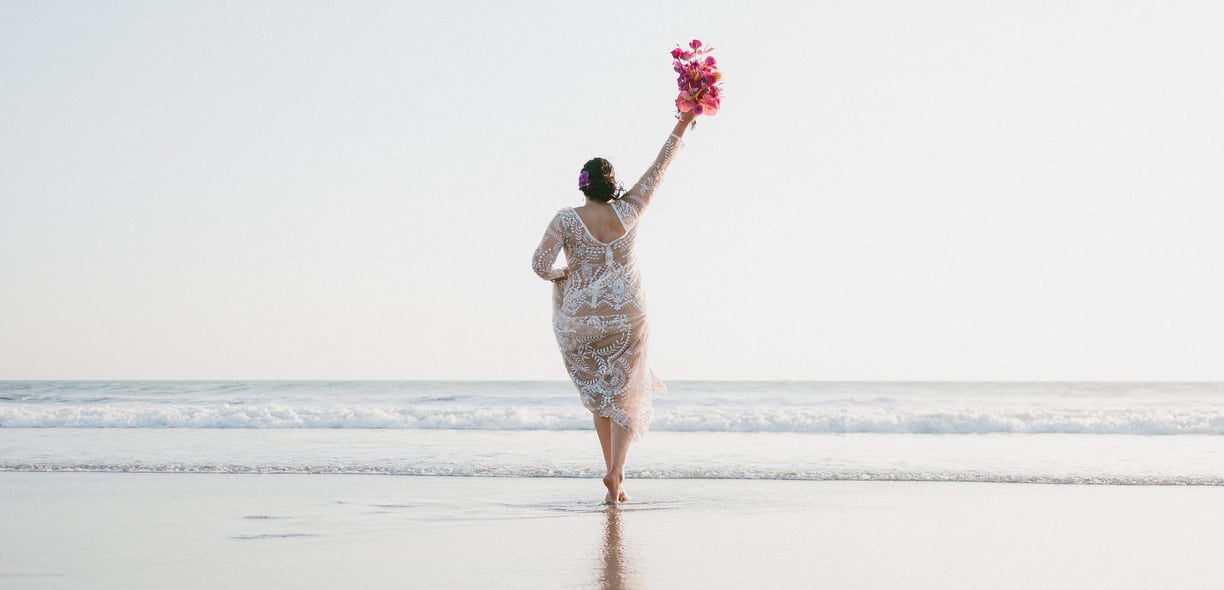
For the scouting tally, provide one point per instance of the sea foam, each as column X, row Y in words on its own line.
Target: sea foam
column 885, row 417
column 458, row 470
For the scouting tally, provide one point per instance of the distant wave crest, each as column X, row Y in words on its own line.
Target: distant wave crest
column 857, row 419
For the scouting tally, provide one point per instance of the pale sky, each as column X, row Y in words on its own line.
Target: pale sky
column 353, row 190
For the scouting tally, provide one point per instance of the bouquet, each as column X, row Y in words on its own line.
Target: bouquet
column 698, row 81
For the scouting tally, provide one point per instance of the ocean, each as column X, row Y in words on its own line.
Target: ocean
column 1010, row 432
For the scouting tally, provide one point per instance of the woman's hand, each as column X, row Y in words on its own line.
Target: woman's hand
column 683, row 122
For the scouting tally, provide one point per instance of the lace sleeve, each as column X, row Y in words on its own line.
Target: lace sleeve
column 638, row 197
column 546, row 253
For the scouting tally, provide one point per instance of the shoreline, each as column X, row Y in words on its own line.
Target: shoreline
column 953, row 478
column 997, row 458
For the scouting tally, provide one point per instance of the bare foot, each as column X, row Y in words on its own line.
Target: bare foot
column 613, row 489
column 613, row 483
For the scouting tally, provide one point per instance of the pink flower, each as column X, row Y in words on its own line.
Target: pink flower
column 697, row 79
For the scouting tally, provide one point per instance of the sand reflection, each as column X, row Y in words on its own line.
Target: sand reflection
column 614, row 575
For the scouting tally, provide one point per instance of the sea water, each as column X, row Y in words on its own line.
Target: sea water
column 1081, row 432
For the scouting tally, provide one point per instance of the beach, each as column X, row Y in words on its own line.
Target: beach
column 418, row 484
column 146, row 530
column 948, row 318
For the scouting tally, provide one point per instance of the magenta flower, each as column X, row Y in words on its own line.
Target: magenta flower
column 698, row 79
column 584, row 180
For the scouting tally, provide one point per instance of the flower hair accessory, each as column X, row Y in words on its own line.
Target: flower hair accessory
column 584, row 179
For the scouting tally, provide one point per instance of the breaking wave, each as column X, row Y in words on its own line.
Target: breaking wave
column 881, row 418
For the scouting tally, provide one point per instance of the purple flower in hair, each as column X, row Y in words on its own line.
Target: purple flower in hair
column 584, row 180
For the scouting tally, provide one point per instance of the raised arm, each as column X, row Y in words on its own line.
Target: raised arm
column 644, row 189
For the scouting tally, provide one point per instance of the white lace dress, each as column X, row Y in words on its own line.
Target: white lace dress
column 599, row 311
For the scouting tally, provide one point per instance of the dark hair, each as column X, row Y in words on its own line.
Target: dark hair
column 602, row 178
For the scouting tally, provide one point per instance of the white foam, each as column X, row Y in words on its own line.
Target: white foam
column 861, row 418
column 746, row 473
column 893, row 408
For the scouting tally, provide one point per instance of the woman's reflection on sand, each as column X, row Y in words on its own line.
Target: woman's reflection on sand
column 614, row 575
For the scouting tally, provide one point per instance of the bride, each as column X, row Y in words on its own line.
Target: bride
column 599, row 312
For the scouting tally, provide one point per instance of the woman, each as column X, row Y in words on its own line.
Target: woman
column 599, row 315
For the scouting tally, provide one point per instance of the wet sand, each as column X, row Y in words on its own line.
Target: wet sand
column 124, row 530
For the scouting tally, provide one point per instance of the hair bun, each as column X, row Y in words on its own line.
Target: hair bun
column 601, row 178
